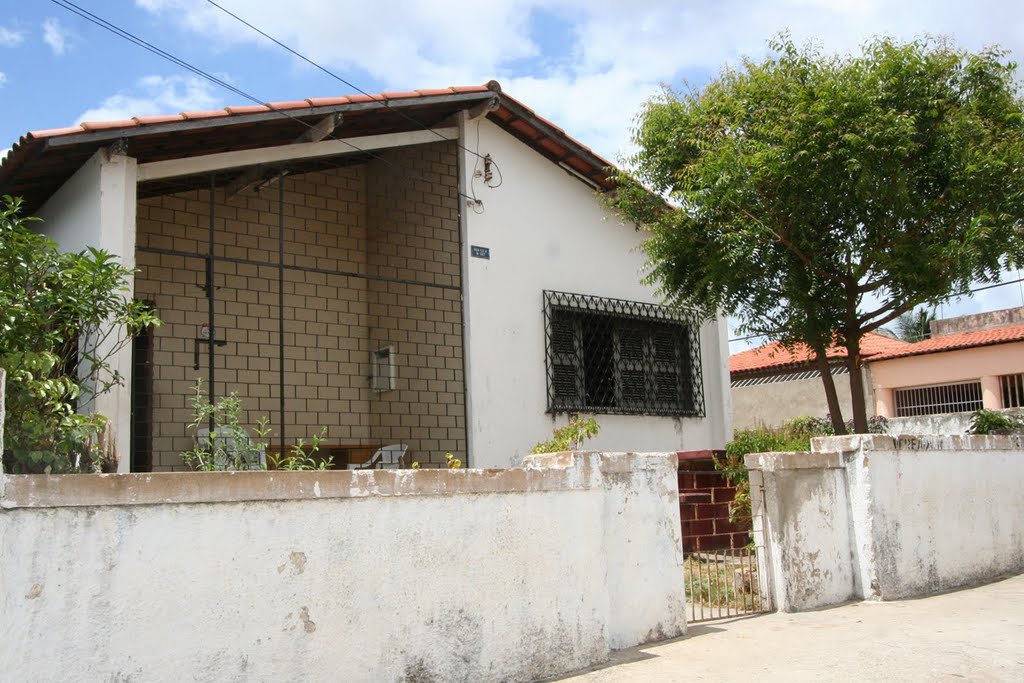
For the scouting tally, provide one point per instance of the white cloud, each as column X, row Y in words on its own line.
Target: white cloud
column 618, row 53
column 56, row 36
column 10, row 37
column 155, row 95
column 3, row 79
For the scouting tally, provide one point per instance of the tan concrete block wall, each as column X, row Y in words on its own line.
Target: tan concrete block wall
column 332, row 321
column 413, row 234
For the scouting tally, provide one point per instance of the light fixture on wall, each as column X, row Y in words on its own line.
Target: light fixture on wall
column 383, row 377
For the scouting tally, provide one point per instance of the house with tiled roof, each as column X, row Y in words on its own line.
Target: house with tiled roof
column 433, row 269
column 772, row 383
column 970, row 362
column 954, row 373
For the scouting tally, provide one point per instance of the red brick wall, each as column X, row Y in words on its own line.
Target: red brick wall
column 704, row 496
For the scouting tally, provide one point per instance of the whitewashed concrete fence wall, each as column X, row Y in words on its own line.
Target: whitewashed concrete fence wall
column 409, row 575
column 881, row 517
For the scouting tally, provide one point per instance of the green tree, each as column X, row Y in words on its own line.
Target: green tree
column 817, row 198
column 63, row 317
column 915, row 325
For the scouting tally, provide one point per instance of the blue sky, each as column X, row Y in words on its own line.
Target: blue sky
column 585, row 64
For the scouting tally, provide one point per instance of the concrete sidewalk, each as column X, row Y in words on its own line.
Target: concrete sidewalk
column 975, row 634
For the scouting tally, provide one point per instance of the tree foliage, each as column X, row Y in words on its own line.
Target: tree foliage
column 63, row 317
column 819, row 197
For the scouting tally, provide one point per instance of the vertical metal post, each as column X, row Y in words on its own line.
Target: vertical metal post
column 210, row 300
column 280, row 303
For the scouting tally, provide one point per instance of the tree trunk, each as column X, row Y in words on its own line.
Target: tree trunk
column 853, row 362
column 835, row 412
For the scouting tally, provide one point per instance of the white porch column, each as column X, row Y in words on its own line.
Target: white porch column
column 96, row 207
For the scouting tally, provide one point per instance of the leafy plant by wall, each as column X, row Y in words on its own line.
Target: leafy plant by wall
column 63, row 319
column 570, row 437
column 994, row 422
column 230, row 446
column 794, row 435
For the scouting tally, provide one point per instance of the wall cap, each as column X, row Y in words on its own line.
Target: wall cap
column 549, row 472
column 917, row 442
column 793, row 460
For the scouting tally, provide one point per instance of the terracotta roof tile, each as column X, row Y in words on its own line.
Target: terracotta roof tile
column 775, row 355
column 55, row 132
column 963, row 340
column 160, row 118
column 107, row 125
column 329, row 101
column 400, row 95
column 285, row 106
column 360, row 97
column 247, row 109
column 193, row 115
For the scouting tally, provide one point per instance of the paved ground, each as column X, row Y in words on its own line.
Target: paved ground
column 974, row 635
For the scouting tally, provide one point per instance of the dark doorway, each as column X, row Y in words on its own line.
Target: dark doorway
column 142, row 401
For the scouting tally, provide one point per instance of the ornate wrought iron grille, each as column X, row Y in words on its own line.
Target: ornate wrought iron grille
column 624, row 357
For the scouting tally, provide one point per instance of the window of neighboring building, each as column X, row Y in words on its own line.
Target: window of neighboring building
column 961, row 397
column 614, row 356
column 1013, row 390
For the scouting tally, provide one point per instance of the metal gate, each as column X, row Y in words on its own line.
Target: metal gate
column 721, row 571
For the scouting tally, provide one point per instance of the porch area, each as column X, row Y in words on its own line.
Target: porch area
column 335, row 303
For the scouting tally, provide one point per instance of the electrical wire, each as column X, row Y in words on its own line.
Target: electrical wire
column 478, row 204
column 330, row 73
column 132, row 38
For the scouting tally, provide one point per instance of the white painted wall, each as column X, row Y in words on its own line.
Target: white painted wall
column 950, row 423
column 922, row 514
column 546, row 230
column 96, row 207
column 382, row 575
column 945, row 511
column 805, row 547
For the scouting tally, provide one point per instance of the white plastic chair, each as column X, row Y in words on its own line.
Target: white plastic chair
column 387, row 457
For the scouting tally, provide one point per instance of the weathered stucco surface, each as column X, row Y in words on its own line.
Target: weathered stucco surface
column 950, row 423
column 889, row 517
column 808, row 547
column 471, row 575
column 771, row 404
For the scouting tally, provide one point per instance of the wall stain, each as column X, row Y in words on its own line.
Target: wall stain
column 34, row 592
column 298, row 562
column 308, row 624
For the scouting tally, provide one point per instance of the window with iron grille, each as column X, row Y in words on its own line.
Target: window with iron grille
column 938, row 399
column 1013, row 390
column 615, row 356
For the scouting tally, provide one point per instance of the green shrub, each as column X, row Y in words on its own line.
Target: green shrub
column 65, row 316
column 570, row 437
column 994, row 422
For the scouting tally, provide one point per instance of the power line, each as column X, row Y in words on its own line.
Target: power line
column 132, row 38
column 961, row 293
column 333, row 75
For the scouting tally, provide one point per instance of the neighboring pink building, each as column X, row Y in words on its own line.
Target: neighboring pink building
column 971, row 362
column 951, row 374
